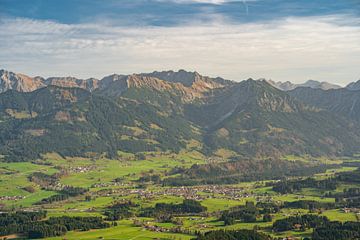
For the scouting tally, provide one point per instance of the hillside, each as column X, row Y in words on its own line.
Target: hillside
column 74, row 122
column 342, row 102
column 255, row 119
column 355, row 86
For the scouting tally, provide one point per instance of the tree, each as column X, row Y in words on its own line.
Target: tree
column 140, row 156
column 267, row 218
column 229, row 221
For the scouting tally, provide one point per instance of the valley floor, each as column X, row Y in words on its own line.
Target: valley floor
column 117, row 181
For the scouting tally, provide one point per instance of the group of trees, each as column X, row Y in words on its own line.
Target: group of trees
column 290, row 186
column 337, row 231
column 348, row 198
column 187, row 206
column 232, row 235
column 43, row 179
column 349, row 177
column 245, row 213
column 154, row 178
column 33, row 224
column 65, row 193
column 239, row 170
column 119, row 211
column 309, row 204
column 302, row 222
column 248, row 213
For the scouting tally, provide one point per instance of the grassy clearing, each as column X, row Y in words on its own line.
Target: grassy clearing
column 125, row 230
column 339, row 215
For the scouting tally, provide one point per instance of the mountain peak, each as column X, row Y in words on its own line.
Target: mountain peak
column 19, row 82
column 184, row 77
column 288, row 86
column 354, row 86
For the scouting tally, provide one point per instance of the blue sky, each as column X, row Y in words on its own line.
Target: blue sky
column 277, row 39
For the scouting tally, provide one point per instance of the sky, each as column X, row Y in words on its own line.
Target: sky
column 235, row 39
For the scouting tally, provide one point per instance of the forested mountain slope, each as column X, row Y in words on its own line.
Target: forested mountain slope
column 164, row 111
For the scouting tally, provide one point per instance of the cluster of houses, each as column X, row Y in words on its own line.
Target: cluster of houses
column 81, row 169
column 11, row 198
column 192, row 192
column 108, row 184
column 351, row 210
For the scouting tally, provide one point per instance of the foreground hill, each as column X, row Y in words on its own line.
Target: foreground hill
column 163, row 111
column 74, row 122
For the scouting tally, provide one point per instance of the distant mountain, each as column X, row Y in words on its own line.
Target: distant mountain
column 19, row 82
column 89, row 84
column 342, row 102
column 166, row 111
column 355, row 86
column 287, row 86
column 189, row 79
column 23, row 83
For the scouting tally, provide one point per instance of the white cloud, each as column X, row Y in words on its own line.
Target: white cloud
column 294, row 49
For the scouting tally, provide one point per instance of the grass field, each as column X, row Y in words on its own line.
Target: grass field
column 125, row 230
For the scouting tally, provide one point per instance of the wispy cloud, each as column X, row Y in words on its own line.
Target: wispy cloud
column 295, row 48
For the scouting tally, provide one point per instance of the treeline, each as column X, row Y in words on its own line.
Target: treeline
column 187, row 206
column 242, row 170
column 323, row 228
column 7, row 219
column 245, row 213
column 154, row 178
column 348, row 198
column 337, row 231
column 249, row 213
column 309, row 204
column 42, row 179
column 33, row 226
column 120, row 210
column 291, row 186
column 233, row 235
column 349, row 177
column 65, row 193
column 302, row 222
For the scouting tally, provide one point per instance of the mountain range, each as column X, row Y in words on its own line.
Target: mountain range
column 287, row 86
column 171, row 111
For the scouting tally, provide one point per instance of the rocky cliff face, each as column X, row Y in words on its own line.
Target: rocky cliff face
column 19, row 82
column 189, row 79
column 23, row 83
column 187, row 85
column 89, row 84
